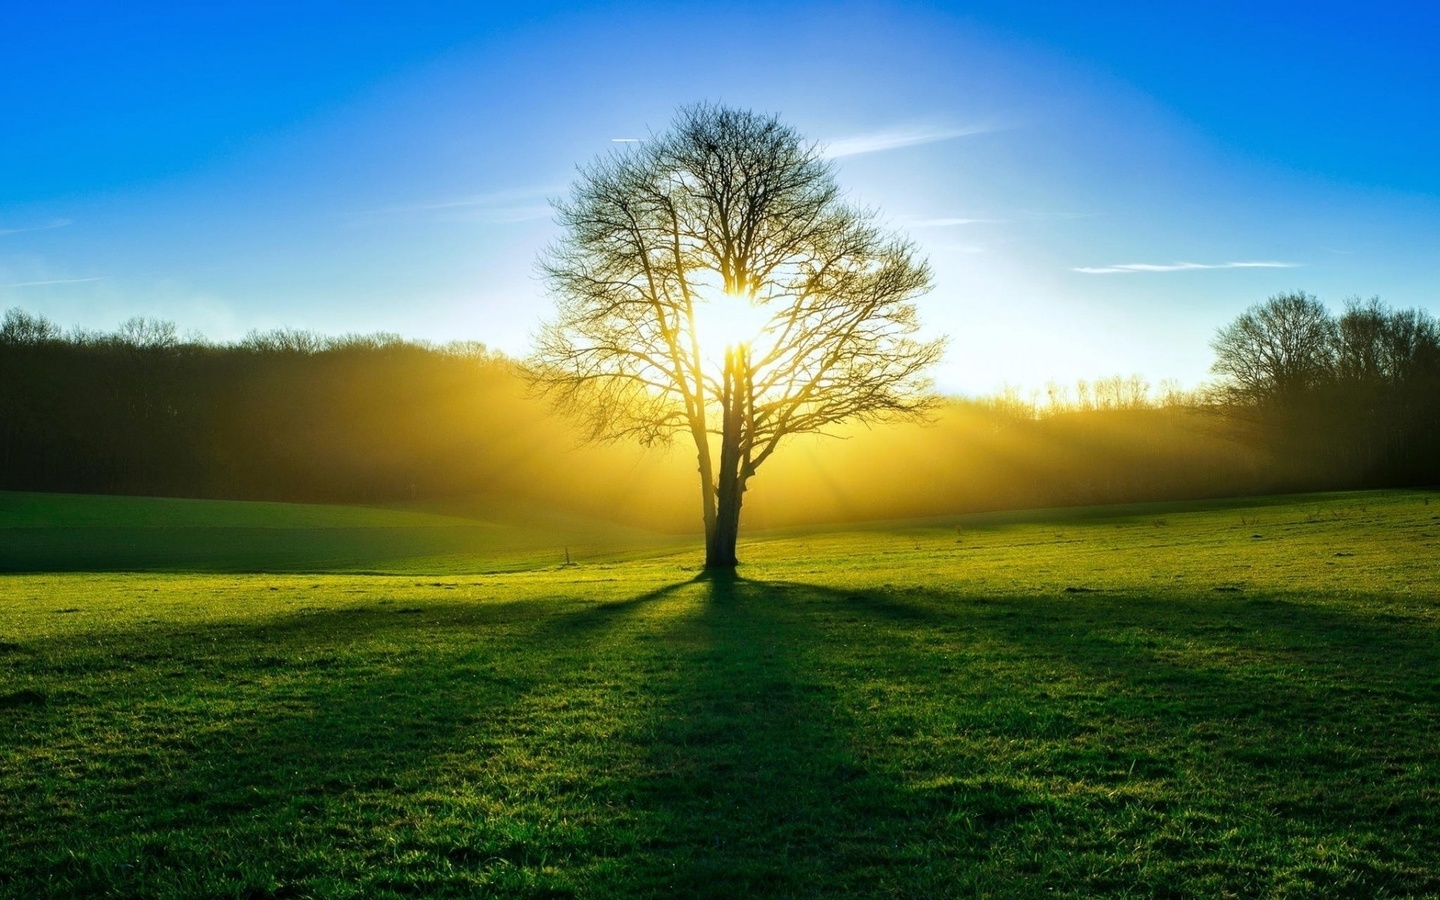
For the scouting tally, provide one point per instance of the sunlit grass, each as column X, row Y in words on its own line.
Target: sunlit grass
column 1182, row 700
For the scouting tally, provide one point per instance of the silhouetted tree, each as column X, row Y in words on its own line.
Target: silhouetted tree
column 1347, row 402
column 1276, row 350
column 1387, row 363
column 728, row 203
column 21, row 328
column 148, row 334
column 284, row 340
column 1382, row 347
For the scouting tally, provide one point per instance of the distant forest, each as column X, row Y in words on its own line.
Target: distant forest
column 1303, row 400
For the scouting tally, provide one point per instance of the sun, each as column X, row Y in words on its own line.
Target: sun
column 724, row 321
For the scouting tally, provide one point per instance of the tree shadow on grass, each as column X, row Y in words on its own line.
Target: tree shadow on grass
column 240, row 550
column 751, row 782
column 271, row 756
column 723, row 736
column 813, row 741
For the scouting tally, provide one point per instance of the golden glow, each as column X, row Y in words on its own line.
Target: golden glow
column 728, row 320
column 972, row 457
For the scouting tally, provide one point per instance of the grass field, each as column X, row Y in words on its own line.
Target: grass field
column 76, row 533
column 1229, row 699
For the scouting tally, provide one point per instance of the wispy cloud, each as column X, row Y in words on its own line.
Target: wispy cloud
column 1130, row 268
column 1041, row 215
column 959, row 248
column 20, row 284
column 941, row 222
column 895, row 138
column 58, row 223
column 1011, row 217
column 495, row 207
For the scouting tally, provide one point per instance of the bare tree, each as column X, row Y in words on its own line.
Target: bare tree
column 727, row 208
column 147, row 334
column 285, row 340
column 1381, row 347
column 20, row 328
column 1276, row 350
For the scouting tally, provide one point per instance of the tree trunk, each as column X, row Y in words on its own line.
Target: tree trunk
column 732, row 475
column 720, row 550
column 706, row 468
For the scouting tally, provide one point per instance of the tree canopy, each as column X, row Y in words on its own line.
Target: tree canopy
column 1276, row 350
column 728, row 215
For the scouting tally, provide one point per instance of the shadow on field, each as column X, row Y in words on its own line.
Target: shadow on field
column 251, row 756
column 813, row 741
column 759, row 776
column 720, row 736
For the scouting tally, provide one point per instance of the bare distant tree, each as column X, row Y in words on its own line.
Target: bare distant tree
column 1057, row 397
column 1382, row 347
column 1276, row 350
column 148, row 334
column 285, row 340
column 728, row 206
column 1172, row 394
column 22, row 328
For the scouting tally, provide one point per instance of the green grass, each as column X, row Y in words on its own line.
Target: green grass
column 79, row 533
column 1237, row 699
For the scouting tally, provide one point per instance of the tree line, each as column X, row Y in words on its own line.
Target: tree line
column 1356, row 396
column 285, row 414
column 1303, row 399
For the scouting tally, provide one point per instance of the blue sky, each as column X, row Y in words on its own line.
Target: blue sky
column 1098, row 186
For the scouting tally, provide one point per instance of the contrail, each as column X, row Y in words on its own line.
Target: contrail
column 53, row 281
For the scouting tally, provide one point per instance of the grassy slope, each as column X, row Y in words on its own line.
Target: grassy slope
column 65, row 532
column 1174, row 700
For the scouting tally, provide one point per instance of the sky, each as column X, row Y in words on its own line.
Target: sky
column 1098, row 187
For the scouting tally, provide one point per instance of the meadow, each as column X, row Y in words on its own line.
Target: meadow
column 1229, row 698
